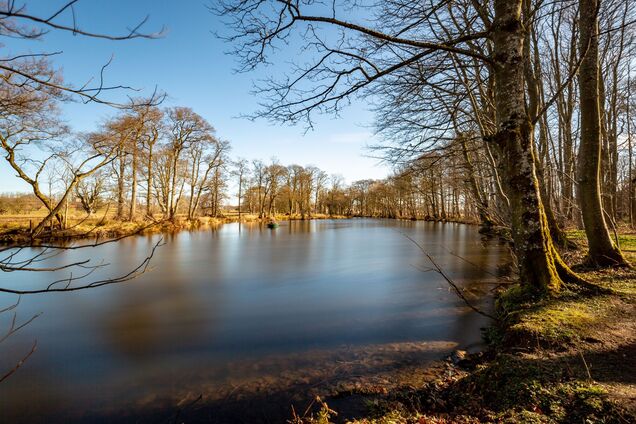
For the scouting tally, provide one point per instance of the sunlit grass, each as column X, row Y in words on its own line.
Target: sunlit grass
column 626, row 240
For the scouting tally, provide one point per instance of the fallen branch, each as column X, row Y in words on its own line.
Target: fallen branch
column 440, row 271
column 20, row 362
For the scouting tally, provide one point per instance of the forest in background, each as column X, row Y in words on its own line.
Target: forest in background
column 448, row 111
column 517, row 114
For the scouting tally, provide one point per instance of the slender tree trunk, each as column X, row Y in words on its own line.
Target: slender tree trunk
column 261, row 201
column 239, row 196
column 630, row 165
column 65, row 218
column 442, row 198
column 485, row 220
column 172, row 209
column 120, row 185
column 194, row 176
column 149, row 183
column 216, row 194
column 602, row 250
column 532, row 68
column 133, row 189
column 568, row 171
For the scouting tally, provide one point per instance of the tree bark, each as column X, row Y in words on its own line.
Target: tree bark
column 172, row 208
column 540, row 266
column 133, row 177
column 602, row 249
column 149, row 181
column 120, row 184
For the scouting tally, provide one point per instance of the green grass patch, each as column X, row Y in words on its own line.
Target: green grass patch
column 627, row 241
column 557, row 322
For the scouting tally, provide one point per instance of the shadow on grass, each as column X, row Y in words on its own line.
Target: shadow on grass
column 523, row 388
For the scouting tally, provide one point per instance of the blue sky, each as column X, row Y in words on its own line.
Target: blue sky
column 190, row 64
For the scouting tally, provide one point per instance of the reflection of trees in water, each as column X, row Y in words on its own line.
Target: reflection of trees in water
column 158, row 338
column 130, row 329
column 172, row 317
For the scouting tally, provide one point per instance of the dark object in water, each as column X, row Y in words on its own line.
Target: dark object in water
column 272, row 224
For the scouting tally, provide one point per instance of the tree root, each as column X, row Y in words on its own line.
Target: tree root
column 569, row 277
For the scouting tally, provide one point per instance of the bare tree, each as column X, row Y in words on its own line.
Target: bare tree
column 29, row 91
column 89, row 192
column 240, row 171
column 185, row 129
column 407, row 35
column 208, row 156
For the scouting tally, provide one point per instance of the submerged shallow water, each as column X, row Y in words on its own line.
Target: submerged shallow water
column 243, row 311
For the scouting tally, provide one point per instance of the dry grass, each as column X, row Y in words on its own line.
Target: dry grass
column 104, row 224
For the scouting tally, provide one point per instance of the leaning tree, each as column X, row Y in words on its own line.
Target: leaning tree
column 30, row 90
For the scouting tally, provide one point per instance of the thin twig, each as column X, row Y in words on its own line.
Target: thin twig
column 20, row 362
column 441, row 272
column 587, row 369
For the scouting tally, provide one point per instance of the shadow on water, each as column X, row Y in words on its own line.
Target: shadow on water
column 237, row 323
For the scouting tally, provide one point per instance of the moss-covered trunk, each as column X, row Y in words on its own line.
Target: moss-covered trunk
column 602, row 250
column 540, row 266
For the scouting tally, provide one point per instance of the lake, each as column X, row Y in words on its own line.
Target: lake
column 229, row 319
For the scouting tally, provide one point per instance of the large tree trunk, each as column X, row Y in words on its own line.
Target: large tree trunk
column 540, row 266
column 602, row 250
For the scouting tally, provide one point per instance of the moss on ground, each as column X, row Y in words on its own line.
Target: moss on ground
column 505, row 389
column 555, row 322
column 518, row 388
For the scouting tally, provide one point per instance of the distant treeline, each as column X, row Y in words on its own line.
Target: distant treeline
column 19, row 203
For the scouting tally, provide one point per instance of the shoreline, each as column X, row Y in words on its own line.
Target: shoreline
column 121, row 229
column 16, row 232
column 560, row 360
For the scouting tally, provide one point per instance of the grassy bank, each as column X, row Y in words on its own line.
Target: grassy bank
column 15, row 228
column 566, row 360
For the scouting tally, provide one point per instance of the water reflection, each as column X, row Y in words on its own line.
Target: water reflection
column 246, row 306
column 140, row 326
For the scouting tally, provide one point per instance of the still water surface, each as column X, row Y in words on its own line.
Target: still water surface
column 242, row 306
